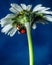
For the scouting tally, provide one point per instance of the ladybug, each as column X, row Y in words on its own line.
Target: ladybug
column 21, row 29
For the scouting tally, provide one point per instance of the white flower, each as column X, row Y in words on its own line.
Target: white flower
column 22, row 14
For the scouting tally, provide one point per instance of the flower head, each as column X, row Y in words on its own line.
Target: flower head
column 23, row 14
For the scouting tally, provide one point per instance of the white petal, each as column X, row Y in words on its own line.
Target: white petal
column 13, row 10
column 48, row 17
column 34, row 26
column 12, row 32
column 10, row 16
column 39, row 9
column 6, row 28
column 39, row 5
column 24, row 6
column 29, row 7
column 45, row 12
column 45, row 9
column 18, row 32
column 16, row 7
column 5, row 21
column 36, row 7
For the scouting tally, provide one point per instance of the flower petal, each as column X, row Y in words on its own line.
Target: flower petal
column 10, row 16
column 24, row 6
column 16, row 7
column 39, row 9
column 49, row 18
column 36, row 7
column 6, row 28
column 18, row 32
column 39, row 5
column 29, row 7
column 45, row 9
column 12, row 32
column 13, row 10
column 45, row 12
column 34, row 26
column 5, row 21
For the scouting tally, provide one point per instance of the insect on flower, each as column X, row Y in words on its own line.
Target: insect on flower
column 21, row 29
column 22, row 14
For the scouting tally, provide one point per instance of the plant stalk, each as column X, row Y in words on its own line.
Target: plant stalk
column 30, row 44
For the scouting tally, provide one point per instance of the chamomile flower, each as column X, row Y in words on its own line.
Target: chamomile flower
column 22, row 14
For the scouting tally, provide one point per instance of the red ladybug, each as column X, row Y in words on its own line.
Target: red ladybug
column 23, row 31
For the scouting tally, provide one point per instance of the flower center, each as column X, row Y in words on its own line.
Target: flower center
column 23, row 16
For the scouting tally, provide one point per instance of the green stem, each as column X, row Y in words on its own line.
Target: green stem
column 30, row 44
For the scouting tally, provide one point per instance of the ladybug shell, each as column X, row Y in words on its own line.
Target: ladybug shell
column 23, row 31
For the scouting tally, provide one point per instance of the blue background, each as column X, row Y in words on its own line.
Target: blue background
column 14, row 51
